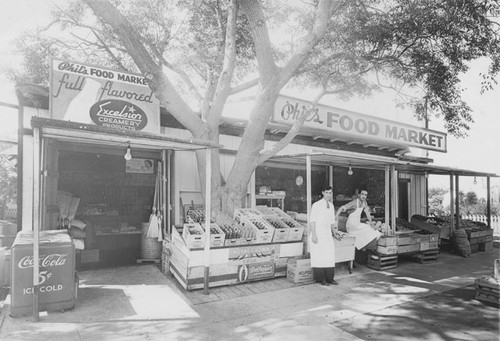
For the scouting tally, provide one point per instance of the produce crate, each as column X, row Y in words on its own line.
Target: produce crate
column 387, row 250
column 388, row 241
column 477, row 232
column 232, row 233
column 242, row 213
column 281, row 230
column 427, row 256
column 266, row 211
column 382, row 262
column 296, row 231
column 487, row 290
column 428, row 246
column 217, row 237
column 193, row 235
column 405, row 239
column 264, row 231
column 408, row 248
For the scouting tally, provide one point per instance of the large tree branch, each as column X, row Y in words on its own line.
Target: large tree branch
column 244, row 86
column 159, row 83
column 260, row 35
column 224, row 82
column 323, row 13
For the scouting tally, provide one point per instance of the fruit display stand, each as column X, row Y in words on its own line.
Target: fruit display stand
column 230, row 264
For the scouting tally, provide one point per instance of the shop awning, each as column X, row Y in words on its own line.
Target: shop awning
column 93, row 134
column 359, row 160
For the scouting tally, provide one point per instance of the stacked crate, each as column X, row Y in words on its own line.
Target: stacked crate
column 382, row 262
column 480, row 239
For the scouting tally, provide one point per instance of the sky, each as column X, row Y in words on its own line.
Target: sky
column 479, row 151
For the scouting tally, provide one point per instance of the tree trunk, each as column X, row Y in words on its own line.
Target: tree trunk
column 252, row 143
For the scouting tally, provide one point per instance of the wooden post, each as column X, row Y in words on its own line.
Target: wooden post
column 452, row 207
column 394, row 198
column 208, row 209
column 330, row 175
column 387, row 194
column 488, row 202
column 457, row 201
column 36, row 222
column 309, row 189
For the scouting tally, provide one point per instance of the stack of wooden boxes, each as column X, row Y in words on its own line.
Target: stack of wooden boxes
column 386, row 256
column 480, row 239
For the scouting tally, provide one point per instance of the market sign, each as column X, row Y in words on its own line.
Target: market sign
column 336, row 122
column 108, row 98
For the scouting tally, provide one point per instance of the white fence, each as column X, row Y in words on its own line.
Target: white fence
column 495, row 221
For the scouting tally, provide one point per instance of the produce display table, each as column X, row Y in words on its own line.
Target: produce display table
column 230, row 264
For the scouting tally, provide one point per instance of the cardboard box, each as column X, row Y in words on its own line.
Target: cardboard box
column 299, row 271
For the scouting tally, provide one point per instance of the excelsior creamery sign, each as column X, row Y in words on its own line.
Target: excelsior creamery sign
column 109, row 98
column 346, row 123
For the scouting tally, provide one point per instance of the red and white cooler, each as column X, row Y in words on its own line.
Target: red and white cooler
column 57, row 287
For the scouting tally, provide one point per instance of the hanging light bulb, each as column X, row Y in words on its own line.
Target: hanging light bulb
column 128, row 154
column 475, row 181
column 350, row 172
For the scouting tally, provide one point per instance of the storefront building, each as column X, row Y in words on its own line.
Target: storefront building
column 102, row 143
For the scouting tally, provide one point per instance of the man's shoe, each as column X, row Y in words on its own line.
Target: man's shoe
column 334, row 282
column 325, row 283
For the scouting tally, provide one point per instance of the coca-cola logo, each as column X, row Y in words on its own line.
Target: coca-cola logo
column 54, row 259
column 114, row 113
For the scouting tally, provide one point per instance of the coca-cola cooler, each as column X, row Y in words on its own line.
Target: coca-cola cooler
column 57, row 279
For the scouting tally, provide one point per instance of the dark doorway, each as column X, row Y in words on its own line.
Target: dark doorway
column 403, row 194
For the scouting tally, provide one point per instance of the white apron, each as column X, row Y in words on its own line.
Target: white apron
column 363, row 232
column 322, row 252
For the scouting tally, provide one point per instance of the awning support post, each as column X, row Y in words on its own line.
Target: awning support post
column 36, row 221
column 208, row 209
column 452, row 207
column 387, row 195
column 394, row 198
column 488, row 202
column 308, row 195
column 457, row 201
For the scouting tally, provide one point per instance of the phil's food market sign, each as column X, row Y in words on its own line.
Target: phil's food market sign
column 108, row 98
column 335, row 122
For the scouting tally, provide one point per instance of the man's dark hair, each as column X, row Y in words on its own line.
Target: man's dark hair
column 326, row 188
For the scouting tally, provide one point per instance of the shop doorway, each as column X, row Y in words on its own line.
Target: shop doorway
column 108, row 195
column 403, row 198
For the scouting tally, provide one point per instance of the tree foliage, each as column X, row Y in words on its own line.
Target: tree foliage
column 200, row 52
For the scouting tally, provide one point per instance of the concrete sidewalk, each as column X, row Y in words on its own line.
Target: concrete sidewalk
column 411, row 302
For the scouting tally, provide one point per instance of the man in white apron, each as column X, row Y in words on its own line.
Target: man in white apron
column 321, row 245
column 365, row 234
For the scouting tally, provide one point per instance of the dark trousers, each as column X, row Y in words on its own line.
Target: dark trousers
column 324, row 274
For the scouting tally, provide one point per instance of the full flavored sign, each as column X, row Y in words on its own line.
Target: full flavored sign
column 338, row 122
column 108, row 98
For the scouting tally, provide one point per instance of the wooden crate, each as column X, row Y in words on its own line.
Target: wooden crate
column 487, row 290
column 281, row 230
column 428, row 246
column 382, row 262
column 388, row 241
column 387, row 250
column 427, row 256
